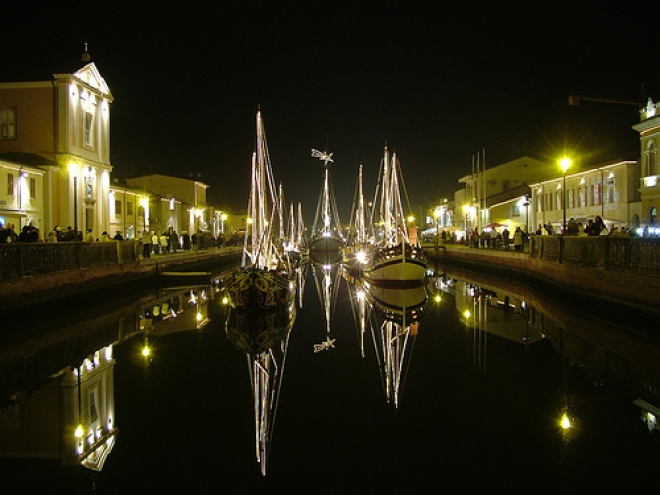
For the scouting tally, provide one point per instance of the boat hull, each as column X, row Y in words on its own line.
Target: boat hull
column 325, row 249
column 262, row 309
column 400, row 266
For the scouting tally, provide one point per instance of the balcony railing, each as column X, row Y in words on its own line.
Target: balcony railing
column 19, row 259
column 632, row 254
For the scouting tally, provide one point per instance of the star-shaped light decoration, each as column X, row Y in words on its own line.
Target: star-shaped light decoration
column 324, row 345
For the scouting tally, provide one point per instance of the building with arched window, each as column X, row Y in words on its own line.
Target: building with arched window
column 649, row 137
column 61, row 122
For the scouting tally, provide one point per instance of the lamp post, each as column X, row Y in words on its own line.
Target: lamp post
column 564, row 163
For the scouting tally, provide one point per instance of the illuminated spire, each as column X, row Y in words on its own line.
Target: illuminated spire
column 85, row 56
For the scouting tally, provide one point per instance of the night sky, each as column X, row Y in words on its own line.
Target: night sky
column 439, row 82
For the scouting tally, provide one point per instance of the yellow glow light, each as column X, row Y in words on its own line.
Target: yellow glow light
column 79, row 431
column 565, row 164
column 146, row 351
column 199, row 316
column 411, row 219
column 438, row 298
column 467, row 313
column 225, row 300
column 565, row 422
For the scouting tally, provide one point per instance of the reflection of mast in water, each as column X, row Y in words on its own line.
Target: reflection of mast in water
column 263, row 334
column 326, row 279
column 361, row 310
column 400, row 311
column 266, row 371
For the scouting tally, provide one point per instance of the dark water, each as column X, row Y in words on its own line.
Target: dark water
column 479, row 408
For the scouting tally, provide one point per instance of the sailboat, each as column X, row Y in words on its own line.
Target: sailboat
column 360, row 246
column 326, row 242
column 261, row 298
column 399, row 260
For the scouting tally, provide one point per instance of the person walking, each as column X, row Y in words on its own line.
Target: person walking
column 155, row 244
column 505, row 238
column 518, row 239
column 164, row 243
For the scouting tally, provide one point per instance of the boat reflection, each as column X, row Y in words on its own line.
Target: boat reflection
column 262, row 333
column 391, row 316
column 327, row 278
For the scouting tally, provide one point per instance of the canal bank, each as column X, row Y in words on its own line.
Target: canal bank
column 109, row 279
column 637, row 288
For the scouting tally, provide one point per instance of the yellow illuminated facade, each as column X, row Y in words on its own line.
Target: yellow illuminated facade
column 62, row 123
column 649, row 138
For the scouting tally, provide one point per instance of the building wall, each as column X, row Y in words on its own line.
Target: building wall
column 604, row 190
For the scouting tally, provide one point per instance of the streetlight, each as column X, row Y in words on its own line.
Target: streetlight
column 564, row 164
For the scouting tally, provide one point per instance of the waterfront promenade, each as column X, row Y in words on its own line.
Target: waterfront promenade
column 626, row 270
column 31, row 273
column 622, row 269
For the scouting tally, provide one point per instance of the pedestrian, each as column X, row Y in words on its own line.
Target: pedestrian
column 118, row 236
column 174, row 241
column 518, row 239
column 146, row 244
column 105, row 237
column 154, row 242
column 89, row 237
column 505, row 238
column 164, row 243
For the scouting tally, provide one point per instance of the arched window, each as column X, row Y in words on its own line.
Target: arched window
column 650, row 159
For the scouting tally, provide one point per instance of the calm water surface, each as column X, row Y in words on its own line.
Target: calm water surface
column 479, row 404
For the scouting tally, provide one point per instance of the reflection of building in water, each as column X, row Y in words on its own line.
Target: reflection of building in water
column 495, row 311
column 598, row 345
column 177, row 312
column 649, row 414
column 71, row 416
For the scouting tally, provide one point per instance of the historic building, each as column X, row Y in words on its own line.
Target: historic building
column 609, row 190
column 60, row 122
column 649, row 138
column 499, row 194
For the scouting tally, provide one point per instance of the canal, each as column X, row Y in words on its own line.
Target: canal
column 472, row 400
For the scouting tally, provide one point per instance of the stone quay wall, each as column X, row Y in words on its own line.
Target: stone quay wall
column 621, row 269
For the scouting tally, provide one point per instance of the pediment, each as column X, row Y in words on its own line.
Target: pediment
column 91, row 76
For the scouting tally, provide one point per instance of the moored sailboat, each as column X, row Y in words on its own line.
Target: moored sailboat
column 261, row 298
column 399, row 260
column 326, row 242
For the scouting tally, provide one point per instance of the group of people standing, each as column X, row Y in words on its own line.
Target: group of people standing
column 491, row 238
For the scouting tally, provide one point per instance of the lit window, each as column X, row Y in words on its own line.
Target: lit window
column 117, row 207
column 89, row 119
column 7, row 124
column 10, row 184
column 33, row 188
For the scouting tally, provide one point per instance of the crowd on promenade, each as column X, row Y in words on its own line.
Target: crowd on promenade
column 150, row 241
column 501, row 237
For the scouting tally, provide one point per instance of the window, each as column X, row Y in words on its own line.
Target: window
column 10, row 184
column 117, row 207
column 7, row 124
column 558, row 200
column 129, row 208
column 596, row 195
column 89, row 119
column 582, row 196
column 33, row 188
column 571, row 198
column 516, row 211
